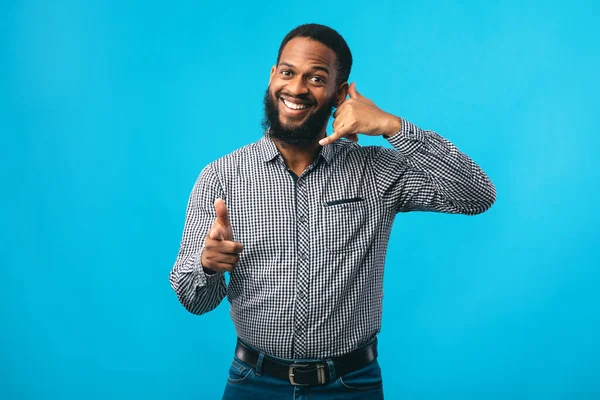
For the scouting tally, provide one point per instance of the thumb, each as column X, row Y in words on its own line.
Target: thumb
column 222, row 213
column 352, row 92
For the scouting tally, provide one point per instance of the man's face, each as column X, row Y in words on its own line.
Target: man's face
column 302, row 92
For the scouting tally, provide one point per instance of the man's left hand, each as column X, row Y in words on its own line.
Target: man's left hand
column 359, row 115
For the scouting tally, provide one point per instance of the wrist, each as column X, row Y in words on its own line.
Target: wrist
column 205, row 269
column 392, row 125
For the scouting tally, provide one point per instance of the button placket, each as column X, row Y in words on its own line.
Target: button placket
column 303, row 268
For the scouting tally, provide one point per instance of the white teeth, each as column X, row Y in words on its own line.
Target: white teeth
column 294, row 106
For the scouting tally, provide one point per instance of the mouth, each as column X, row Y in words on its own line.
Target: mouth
column 294, row 107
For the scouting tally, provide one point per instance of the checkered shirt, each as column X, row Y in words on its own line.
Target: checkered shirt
column 309, row 282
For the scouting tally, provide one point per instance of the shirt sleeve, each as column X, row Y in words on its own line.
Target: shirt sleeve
column 197, row 291
column 425, row 172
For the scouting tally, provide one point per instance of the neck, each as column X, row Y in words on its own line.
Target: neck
column 298, row 158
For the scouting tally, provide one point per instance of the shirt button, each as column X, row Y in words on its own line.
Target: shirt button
column 302, row 218
column 301, row 295
column 299, row 331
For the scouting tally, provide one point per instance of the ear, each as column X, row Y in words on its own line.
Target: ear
column 341, row 94
column 273, row 69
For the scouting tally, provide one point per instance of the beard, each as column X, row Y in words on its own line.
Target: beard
column 302, row 135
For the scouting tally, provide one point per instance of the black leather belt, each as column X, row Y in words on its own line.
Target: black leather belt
column 313, row 373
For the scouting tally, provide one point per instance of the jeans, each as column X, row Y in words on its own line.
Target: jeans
column 246, row 383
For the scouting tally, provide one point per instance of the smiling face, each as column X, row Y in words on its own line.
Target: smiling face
column 302, row 92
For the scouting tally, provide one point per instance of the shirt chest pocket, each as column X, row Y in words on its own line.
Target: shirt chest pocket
column 344, row 225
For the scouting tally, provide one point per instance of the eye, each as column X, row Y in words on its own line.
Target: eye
column 317, row 79
column 286, row 72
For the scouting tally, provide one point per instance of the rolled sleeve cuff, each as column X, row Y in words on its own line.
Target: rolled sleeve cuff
column 203, row 278
column 409, row 139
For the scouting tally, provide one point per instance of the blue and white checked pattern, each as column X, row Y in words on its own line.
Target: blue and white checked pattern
column 309, row 283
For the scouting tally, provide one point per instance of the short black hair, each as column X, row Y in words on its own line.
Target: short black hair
column 330, row 38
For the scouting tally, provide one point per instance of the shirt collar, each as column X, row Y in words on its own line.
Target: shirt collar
column 269, row 151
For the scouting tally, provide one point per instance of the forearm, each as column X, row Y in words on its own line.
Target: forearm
column 197, row 291
column 440, row 177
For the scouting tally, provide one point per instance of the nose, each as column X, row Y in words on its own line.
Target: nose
column 297, row 86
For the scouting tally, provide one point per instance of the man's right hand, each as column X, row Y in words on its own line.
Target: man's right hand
column 221, row 253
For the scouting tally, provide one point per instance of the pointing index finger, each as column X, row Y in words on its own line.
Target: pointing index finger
column 222, row 213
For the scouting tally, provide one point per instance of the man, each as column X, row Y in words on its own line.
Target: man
column 301, row 220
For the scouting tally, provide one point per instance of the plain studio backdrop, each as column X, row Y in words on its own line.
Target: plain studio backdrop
column 109, row 111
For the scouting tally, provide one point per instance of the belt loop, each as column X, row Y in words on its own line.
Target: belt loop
column 332, row 376
column 259, row 362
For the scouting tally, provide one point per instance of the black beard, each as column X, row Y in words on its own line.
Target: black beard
column 304, row 134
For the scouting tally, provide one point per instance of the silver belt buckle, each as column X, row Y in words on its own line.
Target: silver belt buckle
column 320, row 374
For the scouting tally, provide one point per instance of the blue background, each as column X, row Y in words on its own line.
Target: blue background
column 109, row 110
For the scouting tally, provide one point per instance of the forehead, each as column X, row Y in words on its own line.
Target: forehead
column 302, row 51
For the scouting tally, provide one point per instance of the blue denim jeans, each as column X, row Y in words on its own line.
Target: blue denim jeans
column 246, row 383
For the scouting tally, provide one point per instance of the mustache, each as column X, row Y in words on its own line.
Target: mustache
column 307, row 99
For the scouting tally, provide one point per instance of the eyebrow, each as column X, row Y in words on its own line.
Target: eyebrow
column 317, row 67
